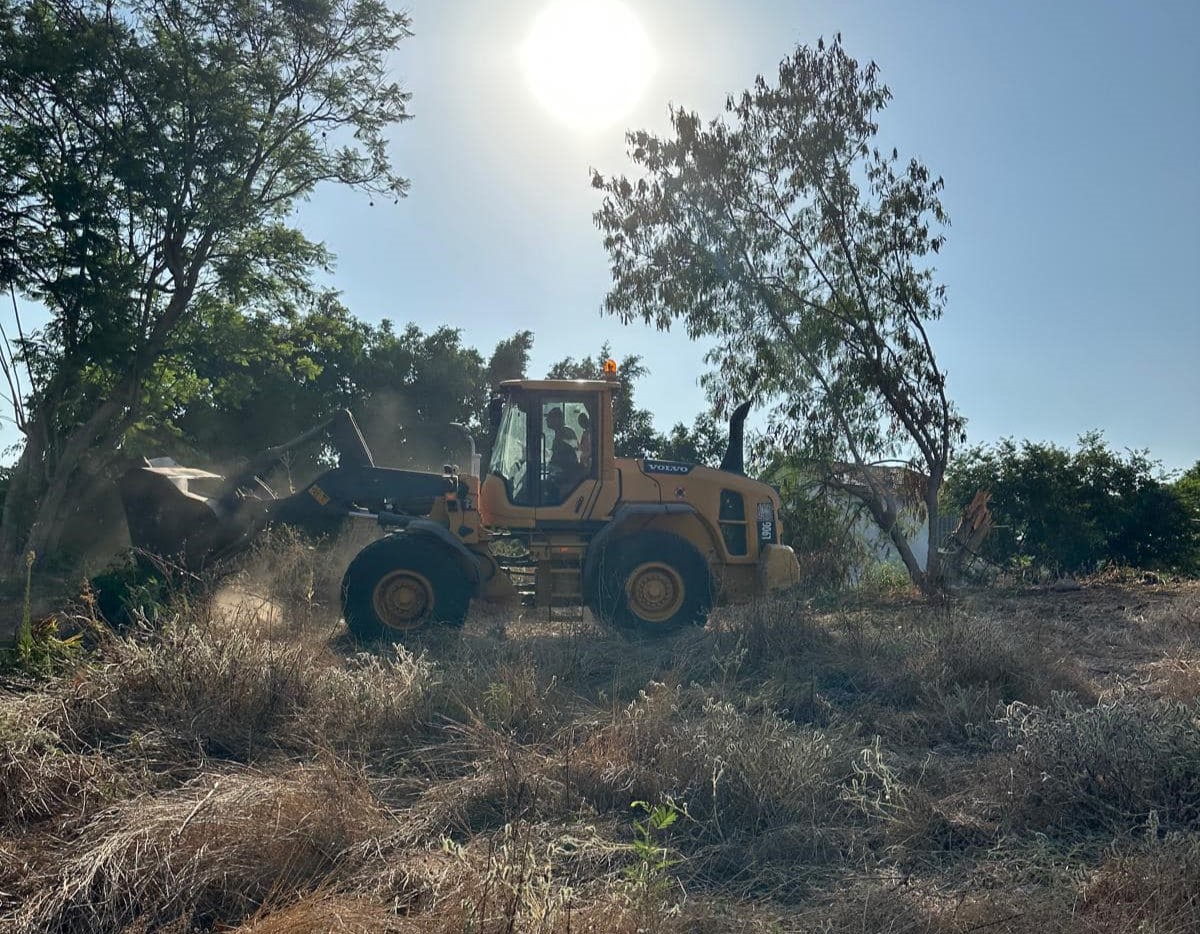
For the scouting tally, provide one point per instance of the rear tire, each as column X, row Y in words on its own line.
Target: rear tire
column 402, row 585
column 653, row 583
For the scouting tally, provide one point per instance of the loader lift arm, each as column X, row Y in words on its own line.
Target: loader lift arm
column 165, row 516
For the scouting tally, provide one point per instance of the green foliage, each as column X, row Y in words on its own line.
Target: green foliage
column 1187, row 488
column 1075, row 510
column 703, row 443
column 151, row 154
column 649, row 873
column 37, row 649
column 785, row 235
column 819, row 527
column 1187, row 492
column 133, row 590
column 510, row 359
column 282, row 376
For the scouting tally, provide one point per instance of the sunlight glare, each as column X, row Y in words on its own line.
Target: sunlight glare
column 587, row 61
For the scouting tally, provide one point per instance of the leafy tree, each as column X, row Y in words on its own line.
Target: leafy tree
column 1187, row 491
column 283, row 376
column 704, row 443
column 152, row 151
column 823, row 530
column 1187, row 488
column 259, row 379
column 1073, row 511
column 510, row 359
column 787, row 237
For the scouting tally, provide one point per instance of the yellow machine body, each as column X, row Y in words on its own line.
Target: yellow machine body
column 554, row 482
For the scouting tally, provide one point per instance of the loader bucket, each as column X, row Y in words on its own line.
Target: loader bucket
column 167, row 518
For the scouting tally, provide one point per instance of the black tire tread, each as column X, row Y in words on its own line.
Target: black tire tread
column 452, row 595
column 619, row 558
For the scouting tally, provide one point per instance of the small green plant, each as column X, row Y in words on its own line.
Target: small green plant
column 649, row 873
column 37, row 649
column 883, row 579
column 138, row 588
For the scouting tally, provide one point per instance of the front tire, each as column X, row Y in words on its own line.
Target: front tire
column 402, row 585
column 653, row 583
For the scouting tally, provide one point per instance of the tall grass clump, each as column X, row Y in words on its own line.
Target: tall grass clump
column 39, row 778
column 299, row 576
column 210, row 853
column 214, row 684
column 751, row 787
column 1150, row 886
column 968, row 666
column 1108, row 768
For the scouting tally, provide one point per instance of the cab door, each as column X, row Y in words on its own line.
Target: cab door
column 545, row 464
column 564, row 439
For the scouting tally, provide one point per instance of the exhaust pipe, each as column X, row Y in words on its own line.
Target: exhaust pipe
column 734, row 460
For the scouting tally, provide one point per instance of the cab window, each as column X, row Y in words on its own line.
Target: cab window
column 567, row 447
column 733, row 522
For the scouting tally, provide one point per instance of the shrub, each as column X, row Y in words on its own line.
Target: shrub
column 137, row 587
column 752, row 787
column 1073, row 511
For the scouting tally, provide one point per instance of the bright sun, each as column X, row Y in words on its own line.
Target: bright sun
column 587, row 61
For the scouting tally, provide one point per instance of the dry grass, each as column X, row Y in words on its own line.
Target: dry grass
column 209, row 852
column 1016, row 761
column 217, row 685
column 1105, row 767
column 39, row 778
column 912, row 673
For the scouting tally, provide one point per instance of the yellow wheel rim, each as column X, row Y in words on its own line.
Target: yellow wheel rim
column 403, row 600
column 655, row 591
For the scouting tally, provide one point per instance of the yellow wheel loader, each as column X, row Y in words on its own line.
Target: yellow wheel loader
column 554, row 517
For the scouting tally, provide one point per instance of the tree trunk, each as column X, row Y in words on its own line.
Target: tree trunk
column 50, row 518
column 25, row 488
column 882, row 507
column 935, row 576
column 47, row 526
column 934, row 579
column 918, row 575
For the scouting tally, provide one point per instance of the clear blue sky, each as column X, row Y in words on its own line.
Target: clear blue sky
column 1068, row 134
